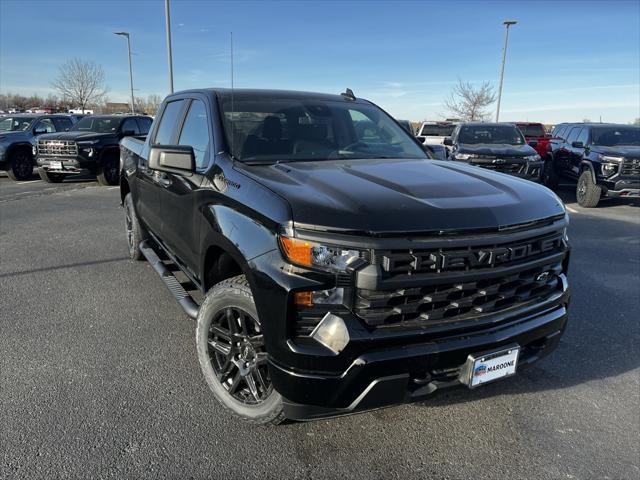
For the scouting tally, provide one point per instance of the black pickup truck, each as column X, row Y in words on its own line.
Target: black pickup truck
column 602, row 159
column 18, row 134
column 90, row 146
column 334, row 269
column 495, row 146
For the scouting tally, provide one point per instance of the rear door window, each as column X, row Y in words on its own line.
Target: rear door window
column 166, row 133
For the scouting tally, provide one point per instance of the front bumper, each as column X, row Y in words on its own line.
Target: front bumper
column 408, row 373
column 624, row 188
column 69, row 165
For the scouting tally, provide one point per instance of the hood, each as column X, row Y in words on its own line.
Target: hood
column 404, row 195
column 618, row 151
column 76, row 135
column 498, row 150
column 13, row 135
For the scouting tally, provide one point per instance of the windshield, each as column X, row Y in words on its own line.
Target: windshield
column 9, row 124
column 437, row 130
column 490, row 134
column 611, row 137
column 532, row 130
column 98, row 124
column 289, row 129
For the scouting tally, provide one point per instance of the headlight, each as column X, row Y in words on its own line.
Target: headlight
column 309, row 254
column 86, row 143
column 609, row 159
column 532, row 158
column 464, row 156
column 609, row 169
column 34, row 150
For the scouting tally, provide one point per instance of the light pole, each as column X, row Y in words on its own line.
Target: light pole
column 126, row 34
column 507, row 24
column 167, row 16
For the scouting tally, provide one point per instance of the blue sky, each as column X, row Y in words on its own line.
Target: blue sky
column 567, row 60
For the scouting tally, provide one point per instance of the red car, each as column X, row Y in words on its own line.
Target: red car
column 535, row 131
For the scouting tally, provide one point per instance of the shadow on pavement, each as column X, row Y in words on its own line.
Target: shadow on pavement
column 62, row 267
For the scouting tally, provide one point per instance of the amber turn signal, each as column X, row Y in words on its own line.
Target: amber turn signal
column 304, row 299
column 298, row 251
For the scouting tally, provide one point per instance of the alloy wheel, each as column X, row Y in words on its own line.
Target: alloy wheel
column 22, row 166
column 238, row 356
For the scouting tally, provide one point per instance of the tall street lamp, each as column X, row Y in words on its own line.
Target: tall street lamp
column 507, row 24
column 126, row 34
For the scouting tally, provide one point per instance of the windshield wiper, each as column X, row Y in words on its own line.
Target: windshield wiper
column 263, row 162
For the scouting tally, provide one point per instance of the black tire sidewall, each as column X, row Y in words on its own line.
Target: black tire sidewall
column 138, row 232
column 592, row 192
column 50, row 177
column 105, row 167
column 19, row 155
column 234, row 292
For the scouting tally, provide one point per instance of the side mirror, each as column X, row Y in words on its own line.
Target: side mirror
column 448, row 141
column 128, row 133
column 172, row 158
column 39, row 131
column 533, row 143
column 577, row 144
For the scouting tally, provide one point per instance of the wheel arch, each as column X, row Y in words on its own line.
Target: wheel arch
column 586, row 165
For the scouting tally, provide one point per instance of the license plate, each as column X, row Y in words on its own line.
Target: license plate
column 55, row 165
column 489, row 366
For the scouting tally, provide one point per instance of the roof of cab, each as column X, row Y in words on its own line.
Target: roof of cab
column 253, row 94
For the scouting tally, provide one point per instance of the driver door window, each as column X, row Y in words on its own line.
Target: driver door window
column 45, row 124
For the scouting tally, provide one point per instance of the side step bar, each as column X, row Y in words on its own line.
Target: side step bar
column 184, row 299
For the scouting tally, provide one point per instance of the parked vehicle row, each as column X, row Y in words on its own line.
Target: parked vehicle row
column 91, row 146
column 62, row 144
column 340, row 270
column 602, row 159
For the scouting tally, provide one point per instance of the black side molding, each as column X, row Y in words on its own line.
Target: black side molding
column 187, row 303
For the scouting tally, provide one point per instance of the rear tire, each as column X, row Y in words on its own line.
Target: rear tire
column 232, row 356
column 587, row 192
column 50, row 177
column 108, row 173
column 20, row 165
column 135, row 232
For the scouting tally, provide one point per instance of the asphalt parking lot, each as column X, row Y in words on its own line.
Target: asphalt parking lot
column 99, row 377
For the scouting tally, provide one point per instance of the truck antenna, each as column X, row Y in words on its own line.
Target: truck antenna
column 232, row 103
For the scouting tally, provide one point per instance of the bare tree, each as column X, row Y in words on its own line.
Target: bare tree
column 80, row 82
column 469, row 103
column 149, row 105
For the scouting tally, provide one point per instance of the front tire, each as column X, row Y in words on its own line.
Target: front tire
column 549, row 175
column 587, row 192
column 232, row 355
column 135, row 232
column 108, row 173
column 21, row 165
column 50, row 177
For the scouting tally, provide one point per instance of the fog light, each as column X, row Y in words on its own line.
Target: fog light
column 332, row 333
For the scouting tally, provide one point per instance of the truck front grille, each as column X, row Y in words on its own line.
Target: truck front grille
column 57, row 148
column 457, row 301
column 630, row 166
column 504, row 165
